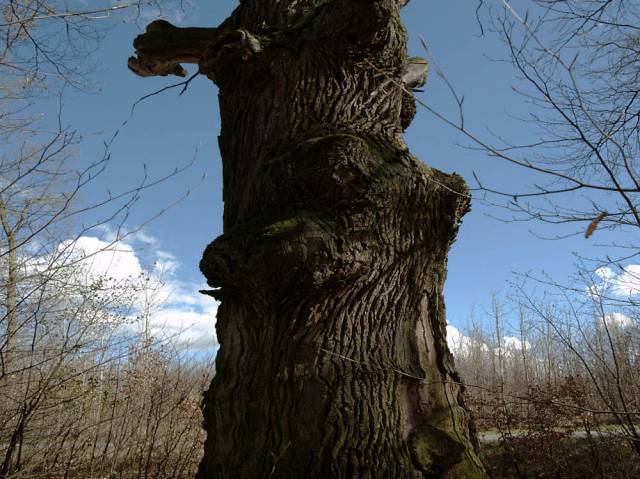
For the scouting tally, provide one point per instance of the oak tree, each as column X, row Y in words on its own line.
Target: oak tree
column 333, row 359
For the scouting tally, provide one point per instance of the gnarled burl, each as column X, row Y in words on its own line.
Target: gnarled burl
column 333, row 361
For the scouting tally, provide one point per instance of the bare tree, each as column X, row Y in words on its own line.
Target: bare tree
column 577, row 69
column 67, row 369
column 570, row 381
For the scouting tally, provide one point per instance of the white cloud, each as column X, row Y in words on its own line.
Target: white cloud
column 190, row 328
column 166, row 263
column 101, row 259
column 605, row 273
column 625, row 283
column 142, row 237
column 183, row 315
column 618, row 319
column 511, row 343
column 458, row 342
column 461, row 344
column 147, row 279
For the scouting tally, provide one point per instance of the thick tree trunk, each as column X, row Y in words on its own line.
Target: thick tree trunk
column 333, row 361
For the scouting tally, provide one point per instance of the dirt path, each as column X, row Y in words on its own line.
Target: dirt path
column 489, row 436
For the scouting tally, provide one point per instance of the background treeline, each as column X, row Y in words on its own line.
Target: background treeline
column 83, row 415
column 554, row 382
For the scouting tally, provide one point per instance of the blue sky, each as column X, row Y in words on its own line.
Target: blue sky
column 166, row 131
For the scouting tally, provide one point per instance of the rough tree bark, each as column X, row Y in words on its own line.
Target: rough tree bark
column 333, row 360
